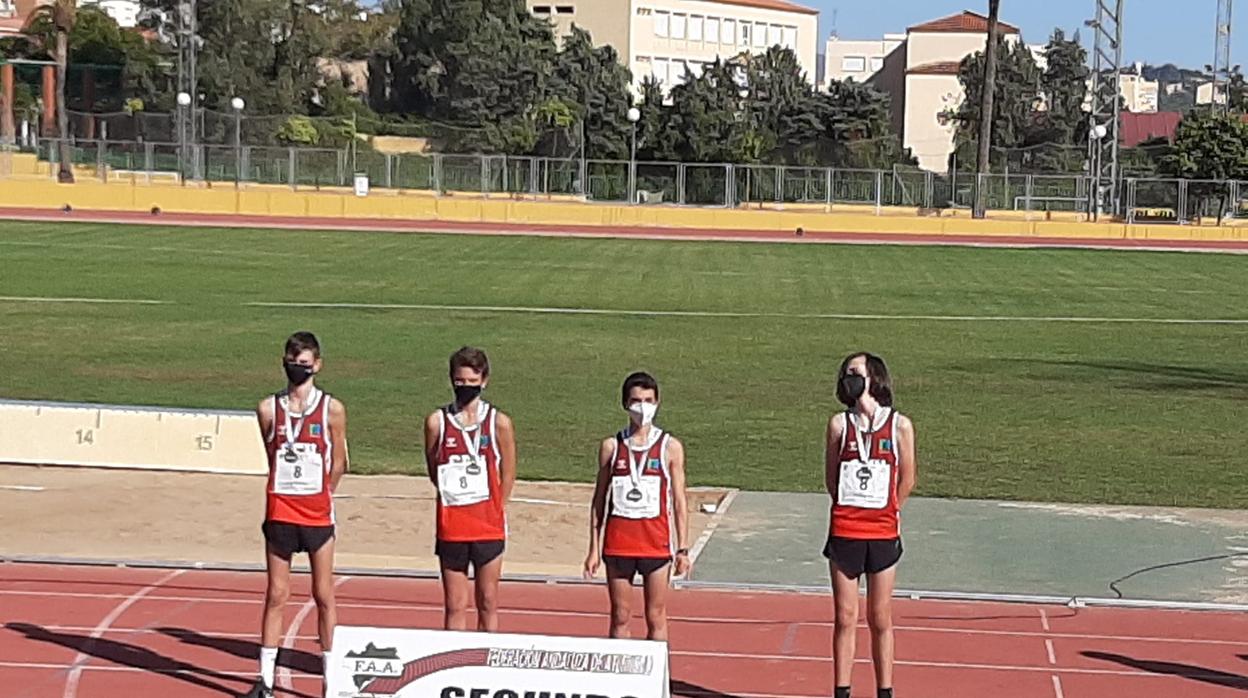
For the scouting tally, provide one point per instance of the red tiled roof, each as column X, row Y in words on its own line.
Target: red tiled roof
column 938, row 68
column 1134, row 129
column 782, row 5
column 966, row 22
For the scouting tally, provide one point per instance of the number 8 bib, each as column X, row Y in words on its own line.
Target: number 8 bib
column 462, row 481
column 864, row 485
column 300, row 470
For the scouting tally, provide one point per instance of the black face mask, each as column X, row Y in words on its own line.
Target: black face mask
column 465, row 394
column 297, row 374
column 852, row 386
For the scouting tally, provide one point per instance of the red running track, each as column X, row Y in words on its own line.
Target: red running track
column 612, row 231
column 107, row 632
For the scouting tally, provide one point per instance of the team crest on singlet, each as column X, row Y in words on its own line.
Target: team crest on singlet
column 316, row 429
column 886, row 445
column 485, row 440
column 654, row 465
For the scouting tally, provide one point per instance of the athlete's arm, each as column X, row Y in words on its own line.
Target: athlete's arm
column 907, row 475
column 680, row 507
column 432, row 426
column 832, row 453
column 264, row 415
column 338, row 436
column 598, row 508
column 507, row 449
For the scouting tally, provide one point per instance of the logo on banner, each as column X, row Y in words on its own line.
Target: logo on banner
column 374, row 663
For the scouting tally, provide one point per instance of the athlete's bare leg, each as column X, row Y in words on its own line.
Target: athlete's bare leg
column 657, row 584
column 456, row 595
column 844, row 637
column 322, row 563
column 880, row 619
column 620, row 591
column 276, row 594
column 487, row 577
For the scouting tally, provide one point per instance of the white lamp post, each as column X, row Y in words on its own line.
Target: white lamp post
column 184, row 101
column 237, row 104
column 634, row 115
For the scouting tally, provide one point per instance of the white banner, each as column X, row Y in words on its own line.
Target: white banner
column 402, row 663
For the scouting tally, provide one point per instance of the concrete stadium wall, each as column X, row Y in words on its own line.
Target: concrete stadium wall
column 120, row 436
column 261, row 200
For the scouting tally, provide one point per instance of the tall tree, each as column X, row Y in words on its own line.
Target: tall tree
column 986, row 102
column 1209, row 146
column 64, row 13
column 780, row 110
column 596, row 86
column 481, row 65
column 704, row 123
column 1016, row 98
column 856, row 128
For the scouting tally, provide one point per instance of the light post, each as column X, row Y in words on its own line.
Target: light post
column 634, row 115
column 184, row 101
column 237, row 103
column 1097, row 132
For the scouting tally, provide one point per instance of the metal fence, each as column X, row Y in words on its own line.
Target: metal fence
column 726, row 185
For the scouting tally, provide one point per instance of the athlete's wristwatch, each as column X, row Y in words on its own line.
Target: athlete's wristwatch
column 683, row 551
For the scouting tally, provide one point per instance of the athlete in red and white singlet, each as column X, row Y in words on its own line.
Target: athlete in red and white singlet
column 470, row 451
column 639, row 518
column 870, row 471
column 470, row 505
column 856, row 521
column 305, row 439
column 296, row 444
column 631, row 531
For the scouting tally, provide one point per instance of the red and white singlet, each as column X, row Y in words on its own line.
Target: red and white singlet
column 300, row 459
column 639, row 510
column 470, row 485
column 864, row 506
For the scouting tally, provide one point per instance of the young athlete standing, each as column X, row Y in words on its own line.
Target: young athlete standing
column 470, row 450
column 639, row 518
column 870, row 471
column 305, row 435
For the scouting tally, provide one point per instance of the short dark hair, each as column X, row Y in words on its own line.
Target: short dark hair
column 300, row 342
column 639, row 379
column 470, row 357
column 881, row 383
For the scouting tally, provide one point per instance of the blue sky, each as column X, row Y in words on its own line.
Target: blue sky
column 1155, row 31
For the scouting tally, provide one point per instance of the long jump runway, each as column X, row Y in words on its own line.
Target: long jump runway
column 112, row 632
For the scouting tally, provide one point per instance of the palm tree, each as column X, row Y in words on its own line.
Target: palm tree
column 985, row 117
column 64, row 14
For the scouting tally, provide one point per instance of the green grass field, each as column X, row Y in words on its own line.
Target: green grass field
column 1098, row 411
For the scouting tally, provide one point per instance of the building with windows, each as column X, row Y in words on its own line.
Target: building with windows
column 919, row 72
column 858, row 60
column 14, row 13
column 669, row 39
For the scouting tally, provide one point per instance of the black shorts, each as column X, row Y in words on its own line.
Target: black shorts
column 629, row 567
column 853, row 557
column 288, row 538
column 457, row 556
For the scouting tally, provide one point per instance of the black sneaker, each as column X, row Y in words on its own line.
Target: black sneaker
column 258, row 691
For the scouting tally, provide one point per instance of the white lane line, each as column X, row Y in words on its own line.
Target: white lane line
column 712, row 525
column 542, row 310
column 1057, row 687
column 1044, row 620
column 1048, row 646
column 288, row 642
column 22, row 488
column 716, row 620
column 73, row 299
column 84, row 653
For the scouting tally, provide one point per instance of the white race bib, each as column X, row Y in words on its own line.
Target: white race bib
column 300, row 470
column 864, row 485
column 640, row 502
column 463, row 480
